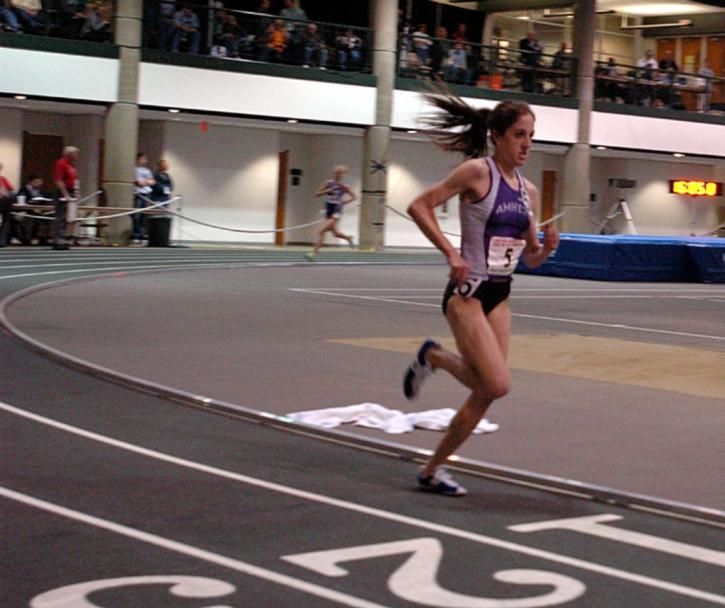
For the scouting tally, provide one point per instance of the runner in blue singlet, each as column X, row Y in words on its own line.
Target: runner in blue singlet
column 497, row 210
column 337, row 194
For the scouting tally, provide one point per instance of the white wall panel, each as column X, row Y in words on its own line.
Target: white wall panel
column 58, row 75
column 236, row 93
column 645, row 133
column 552, row 124
column 227, row 176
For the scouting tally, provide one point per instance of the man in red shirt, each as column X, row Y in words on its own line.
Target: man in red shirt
column 7, row 198
column 66, row 180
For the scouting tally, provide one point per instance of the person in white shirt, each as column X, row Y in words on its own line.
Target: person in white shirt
column 144, row 181
column 706, row 73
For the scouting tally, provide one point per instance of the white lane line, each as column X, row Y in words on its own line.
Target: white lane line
column 189, row 550
column 180, row 265
column 518, row 314
column 516, row 296
column 189, row 260
column 516, row 288
column 374, row 512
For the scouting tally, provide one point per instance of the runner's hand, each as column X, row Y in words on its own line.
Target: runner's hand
column 459, row 268
column 551, row 238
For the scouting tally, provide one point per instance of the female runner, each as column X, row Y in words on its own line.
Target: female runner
column 497, row 209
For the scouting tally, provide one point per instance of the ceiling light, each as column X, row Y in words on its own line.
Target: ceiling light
column 412, row 131
column 655, row 26
column 174, row 110
column 655, row 9
column 601, row 147
column 20, row 97
column 292, row 121
column 678, row 155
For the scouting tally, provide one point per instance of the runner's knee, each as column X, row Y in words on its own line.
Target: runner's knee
column 493, row 387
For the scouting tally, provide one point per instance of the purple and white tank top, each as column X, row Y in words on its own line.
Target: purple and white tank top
column 492, row 228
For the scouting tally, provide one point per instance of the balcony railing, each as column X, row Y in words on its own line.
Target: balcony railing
column 486, row 66
column 655, row 88
column 229, row 34
column 70, row 19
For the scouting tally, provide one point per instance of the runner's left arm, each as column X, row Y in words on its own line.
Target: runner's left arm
column 536, row 252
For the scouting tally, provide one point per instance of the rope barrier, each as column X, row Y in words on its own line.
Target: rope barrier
column 95, row 217
column 243, row 230
column 410, row 219
column 551, row 220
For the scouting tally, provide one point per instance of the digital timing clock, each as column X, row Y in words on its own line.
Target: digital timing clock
column 695, row 187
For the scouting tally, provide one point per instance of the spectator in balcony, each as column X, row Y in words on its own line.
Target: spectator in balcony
column 530, row 57
column 166, row 23
column 349, row 50
column 264, row 25
column 277, row 41
column 218, row 49
column 439, row 50
column 98, row 22
column 668, row 63
column 457, row 69
column 609, row 84
column 293, row 11
column 314, row 47
column 461, row 35
column 706, row 74
column 422, row 44
column 648, row 65
column 186, row 29
column 72, row 18
column 562, row 61
column 229, row 33
column 24, row 14
column 295, row 29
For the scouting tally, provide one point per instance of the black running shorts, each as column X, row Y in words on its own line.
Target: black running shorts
column 489, row 293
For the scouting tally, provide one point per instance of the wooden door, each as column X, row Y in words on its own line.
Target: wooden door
column 664, row 45
column 690, row 60
column 716, row 55
column 39, row 155
column 281, row 196
column 548, row 195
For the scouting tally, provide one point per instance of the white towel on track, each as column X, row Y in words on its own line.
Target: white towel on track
column 376, row 416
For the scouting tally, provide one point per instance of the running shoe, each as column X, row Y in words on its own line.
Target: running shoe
column 351, row 242
column 441, row 482
column 311, row 255
column 418, row 370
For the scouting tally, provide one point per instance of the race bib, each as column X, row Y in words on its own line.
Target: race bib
column 503, row 255
column 167, row 190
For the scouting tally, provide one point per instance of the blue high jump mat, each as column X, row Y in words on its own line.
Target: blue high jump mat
column 636, row 258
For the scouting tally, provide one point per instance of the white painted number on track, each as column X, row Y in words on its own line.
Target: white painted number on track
column 592, row 525
column 415, row 580
column 76, row 596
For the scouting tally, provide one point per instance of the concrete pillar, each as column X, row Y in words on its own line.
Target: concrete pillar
column 488, row 25
column 121, row 129
column 577, row 163
column 11, row 144
column 377, row 137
